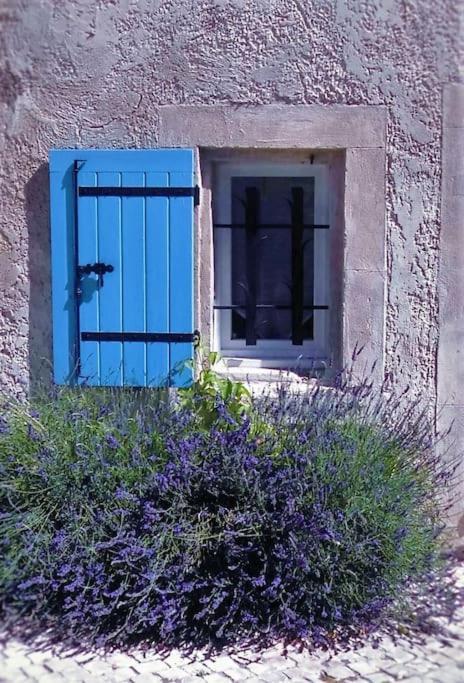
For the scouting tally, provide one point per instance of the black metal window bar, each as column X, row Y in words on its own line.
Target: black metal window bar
column 251, row 227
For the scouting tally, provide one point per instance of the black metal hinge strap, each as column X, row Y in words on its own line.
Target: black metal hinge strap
column 175, row 337
column 89, row 191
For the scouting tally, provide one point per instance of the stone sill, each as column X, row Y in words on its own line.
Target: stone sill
column 256, row 377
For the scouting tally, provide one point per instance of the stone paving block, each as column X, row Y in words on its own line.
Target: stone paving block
column 122, row 673
column 176, row 659
column 421, row 666
column 275, row 652
column 256, row 668
column 37, row 656
column 401, row 672
column 455, row 652
column 440, row 659
column 401, row 655
column 18, row 678
column 219, row 663
column 244, row 659
column 387, row 644
column 363, row 667
column 198, row 669
column 228, row 667
column 180, row 674
column 296, row 676
column 153, row 678
column 234, row 675
column 30, row 674
column 14, row 661
column 271, row 677
column 65, row 666
column 140, row 655
column 339, row 671
column 119, row 659
column 215, row 677
column 449, row 677
column 306, row 668
column 370, row 652
column 52, row 676
column 84, row 658
column 47, row 670
column 97, row 667
column 297, row 659
column 13, row 648
column 8, row 668
column 380, row 677
column 153, row 666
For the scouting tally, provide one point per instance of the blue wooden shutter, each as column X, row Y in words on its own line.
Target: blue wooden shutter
column 132, row 326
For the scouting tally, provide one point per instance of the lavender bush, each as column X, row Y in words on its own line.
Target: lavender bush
column 123, row 519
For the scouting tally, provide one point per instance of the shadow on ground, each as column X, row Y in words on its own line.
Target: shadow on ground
column 431, row 607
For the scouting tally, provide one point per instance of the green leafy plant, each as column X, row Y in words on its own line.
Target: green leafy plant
column 211, row 391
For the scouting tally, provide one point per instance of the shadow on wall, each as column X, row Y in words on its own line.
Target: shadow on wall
column 40, row 313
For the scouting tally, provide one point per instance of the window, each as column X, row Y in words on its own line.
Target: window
column 271, row 224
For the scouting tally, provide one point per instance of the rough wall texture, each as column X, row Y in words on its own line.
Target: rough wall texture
column 91, row 73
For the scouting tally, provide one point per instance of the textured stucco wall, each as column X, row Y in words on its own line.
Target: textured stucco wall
column 91, row 73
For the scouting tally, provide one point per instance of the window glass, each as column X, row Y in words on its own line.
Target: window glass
column 272, row 255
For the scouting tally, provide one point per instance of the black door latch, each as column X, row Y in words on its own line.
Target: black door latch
column 98, row 268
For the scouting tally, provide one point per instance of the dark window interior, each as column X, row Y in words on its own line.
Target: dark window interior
column 272, row 258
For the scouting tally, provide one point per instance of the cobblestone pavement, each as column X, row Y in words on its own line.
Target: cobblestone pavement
column 415, row 656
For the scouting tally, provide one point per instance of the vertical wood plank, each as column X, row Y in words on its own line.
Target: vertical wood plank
column 157, row 280
column 109, row 248
column 181, row 278
column 133, row 280
column 89, row 304
column 62, row 203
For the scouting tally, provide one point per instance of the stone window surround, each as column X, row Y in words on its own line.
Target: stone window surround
column 355, row 137
column 450, row 361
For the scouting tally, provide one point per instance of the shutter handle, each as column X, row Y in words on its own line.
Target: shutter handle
column 98, row 268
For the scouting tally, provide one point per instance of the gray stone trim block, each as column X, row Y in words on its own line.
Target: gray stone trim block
column 273, row 126
column 450, row 359
column 450, row 366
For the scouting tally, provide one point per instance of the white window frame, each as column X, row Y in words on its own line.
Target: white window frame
column 270, row 353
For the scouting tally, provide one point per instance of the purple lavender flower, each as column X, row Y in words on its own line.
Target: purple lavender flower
column 112, row 442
